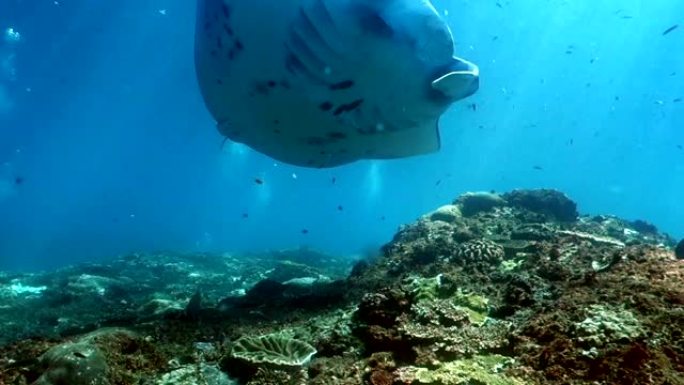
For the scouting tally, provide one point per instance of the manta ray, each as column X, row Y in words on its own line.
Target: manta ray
column 322, row 83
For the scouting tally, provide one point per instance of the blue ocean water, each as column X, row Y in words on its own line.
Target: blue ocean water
column 106, row 146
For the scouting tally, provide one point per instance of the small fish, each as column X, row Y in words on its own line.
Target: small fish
column 305, row 231
column 258, row 181
column 382, row 218
column 439, row 181
column 679, row 146
column 670, row 29
column 333, row 180
column 18, row 180
column 677, row 100
column 538, row 168
column 340, row 208
column 245, row 215
column 472, row 106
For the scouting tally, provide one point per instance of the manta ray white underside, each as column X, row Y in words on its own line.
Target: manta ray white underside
column 320, row 83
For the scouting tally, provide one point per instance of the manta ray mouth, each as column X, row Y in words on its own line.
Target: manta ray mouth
column 458, row 80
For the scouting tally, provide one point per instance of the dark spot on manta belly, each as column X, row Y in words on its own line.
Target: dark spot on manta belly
column 330, row 138
column 337, row 135
column 261, row 88
column 292, row 63
column 226, row 10
column 366, row 131
column 265, row 87
column 348, row 107
column 374, row 23
column 316, row 141
column 342, row 85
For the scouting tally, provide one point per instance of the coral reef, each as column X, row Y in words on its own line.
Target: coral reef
column 508, row 289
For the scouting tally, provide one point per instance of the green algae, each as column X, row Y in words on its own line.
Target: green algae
column 430, row 291
column 604, row 325
column 480, row 370
column 475, row 305
column 424, row 289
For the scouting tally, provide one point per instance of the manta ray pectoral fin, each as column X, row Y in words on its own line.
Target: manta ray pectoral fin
column 462, row 80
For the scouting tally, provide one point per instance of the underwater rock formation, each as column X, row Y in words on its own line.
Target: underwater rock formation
column 551, row 203
column 472, row 203
column 524, row 291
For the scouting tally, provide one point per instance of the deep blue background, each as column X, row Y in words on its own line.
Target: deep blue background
column 103, row 120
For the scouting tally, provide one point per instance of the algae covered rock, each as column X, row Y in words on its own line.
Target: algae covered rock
column 102, row 357
column 473, row 203
column 80, row 363
column 476, row 306
column 553, row 204
column 604, row 325
column 423, row 288
column 484, row 370
column 446, row 213
column 202, row 374
column 275, row 349
column 679, row 250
